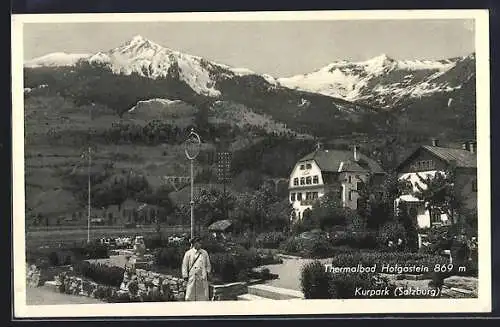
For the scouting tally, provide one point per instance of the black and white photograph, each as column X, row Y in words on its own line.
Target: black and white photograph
column 270, row 163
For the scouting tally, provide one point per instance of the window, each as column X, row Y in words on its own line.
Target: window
column 474, row 185
column 349, row 179
column 308, row 196
column 315, row 195
column 299, row 196
column 308, row 180
column 315, row 179
column 292, row 197
column 308, row 166
column 349, row 195
column 302, row 181
column 296, row 181
column 423, row 165
column 301, row 167
column 359, row 186
column 435, row 217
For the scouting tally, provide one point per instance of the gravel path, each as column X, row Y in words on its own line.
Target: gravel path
column 45, row 296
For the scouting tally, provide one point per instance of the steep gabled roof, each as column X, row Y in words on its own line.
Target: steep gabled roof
column 342, row 160
column 461, row 158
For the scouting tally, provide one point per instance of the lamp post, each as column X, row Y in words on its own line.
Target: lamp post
column 192, row 149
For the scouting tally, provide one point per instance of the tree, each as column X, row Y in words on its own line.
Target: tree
column 439, row 194
column 279, row 213
column 376, row 200
column 328, row 212
column 211, row 205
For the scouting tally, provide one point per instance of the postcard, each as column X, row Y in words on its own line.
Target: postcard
column 258, row 163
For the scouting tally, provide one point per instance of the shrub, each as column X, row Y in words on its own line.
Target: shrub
column 267, row 257
column 170, row 257
column 95, row 251
column 344, row 285
column 316, row 282
column 213, row 246
column 155, row 242
column 133, row 288
column 99, row 273
column 357, row 240
column 271, row 240
column 53, row 259
column 224, row 266
column 291, row 246
column 317, row 248
column 391, row 231
column 244, row 241
column 402, row 259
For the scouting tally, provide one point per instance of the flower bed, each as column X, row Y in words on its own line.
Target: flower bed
column 100, row 273
column 65, row 256
column 270, row 240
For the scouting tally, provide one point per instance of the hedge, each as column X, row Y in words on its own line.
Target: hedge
column 65, row 256
column 270, row 240
column 318, row 283
column 392, row 259
column 100, row 273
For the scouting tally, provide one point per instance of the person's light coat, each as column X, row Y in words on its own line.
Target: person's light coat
column 196, row 268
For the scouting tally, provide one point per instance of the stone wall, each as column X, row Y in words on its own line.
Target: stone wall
column 37, row 275
column 227, row 292
column 151, row 282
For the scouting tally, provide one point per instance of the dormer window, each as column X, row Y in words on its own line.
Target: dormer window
column 308, row 166
column 302, row 167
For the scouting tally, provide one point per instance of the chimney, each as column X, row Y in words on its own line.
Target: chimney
column 435, row 142
column 355, row 150
column 472, row 147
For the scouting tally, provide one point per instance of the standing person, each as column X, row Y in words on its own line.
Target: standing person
column 196, row 270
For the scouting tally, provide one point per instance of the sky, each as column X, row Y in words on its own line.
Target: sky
column 278, row 48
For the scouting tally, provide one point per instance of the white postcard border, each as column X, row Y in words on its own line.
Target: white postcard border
column 291, row 307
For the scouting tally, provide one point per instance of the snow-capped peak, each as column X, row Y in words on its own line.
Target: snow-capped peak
column 56, row 59
column 137, row 39
column 380, row 80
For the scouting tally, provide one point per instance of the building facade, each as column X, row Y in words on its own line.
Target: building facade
column 428, row 160
column 323, row 171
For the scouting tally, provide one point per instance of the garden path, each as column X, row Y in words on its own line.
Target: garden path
column 45, row 296
column 289, row 272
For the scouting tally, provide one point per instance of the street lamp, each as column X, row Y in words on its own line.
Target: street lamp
column 192, row 149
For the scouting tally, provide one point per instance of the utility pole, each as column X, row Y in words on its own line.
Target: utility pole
column 88, row 173
column 88, row 195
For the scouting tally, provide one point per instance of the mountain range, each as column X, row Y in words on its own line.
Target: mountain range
column 378, row 95
column 380, row 81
